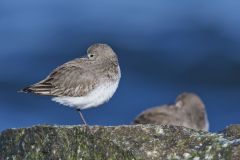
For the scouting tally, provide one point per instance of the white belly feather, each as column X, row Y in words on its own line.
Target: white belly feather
column 95, row 98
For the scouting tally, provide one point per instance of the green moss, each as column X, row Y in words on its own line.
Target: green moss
column 110, row 143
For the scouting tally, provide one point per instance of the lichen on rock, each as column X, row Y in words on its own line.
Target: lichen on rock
column 232, row 131
column 120, row 142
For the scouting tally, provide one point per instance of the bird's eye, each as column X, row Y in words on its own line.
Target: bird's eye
column 91, row 55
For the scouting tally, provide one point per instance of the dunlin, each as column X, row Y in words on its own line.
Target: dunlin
column 188, row 111
column 83, row 82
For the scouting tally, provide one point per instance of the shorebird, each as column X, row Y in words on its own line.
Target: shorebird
column 83, row 82
column 188, row 111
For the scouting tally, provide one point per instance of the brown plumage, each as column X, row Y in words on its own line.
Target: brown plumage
column 188, row 111
column 80, row 76
column 83, row 82
column 65, row 81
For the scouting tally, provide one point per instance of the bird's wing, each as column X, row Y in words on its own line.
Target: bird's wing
column 71, row 79
column 166, row 114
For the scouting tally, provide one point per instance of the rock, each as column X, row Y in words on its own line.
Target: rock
column 122, row 142
column 232, row 132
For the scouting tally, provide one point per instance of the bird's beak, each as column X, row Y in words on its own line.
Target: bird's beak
column 84, row 57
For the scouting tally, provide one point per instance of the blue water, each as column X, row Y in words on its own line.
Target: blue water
column 164, row 47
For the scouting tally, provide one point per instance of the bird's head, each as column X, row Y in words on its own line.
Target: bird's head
column 189, row 101
column 101, row 52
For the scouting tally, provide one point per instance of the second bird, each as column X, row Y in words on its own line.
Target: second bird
column 84, row 82
column 188, row 111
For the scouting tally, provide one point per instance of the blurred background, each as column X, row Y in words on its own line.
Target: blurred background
column 164, row 48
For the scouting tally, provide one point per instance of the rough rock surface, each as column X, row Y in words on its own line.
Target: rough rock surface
column 232, row 132
column 121, row 142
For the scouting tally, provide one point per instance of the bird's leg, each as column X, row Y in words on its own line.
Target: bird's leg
column 85, row 123
column 81, row 115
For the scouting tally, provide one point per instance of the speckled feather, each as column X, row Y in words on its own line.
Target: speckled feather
column 70, row 79
column 79, row 77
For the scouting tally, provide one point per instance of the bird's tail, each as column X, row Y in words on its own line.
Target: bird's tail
column 26, row 90
column 37, row 89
